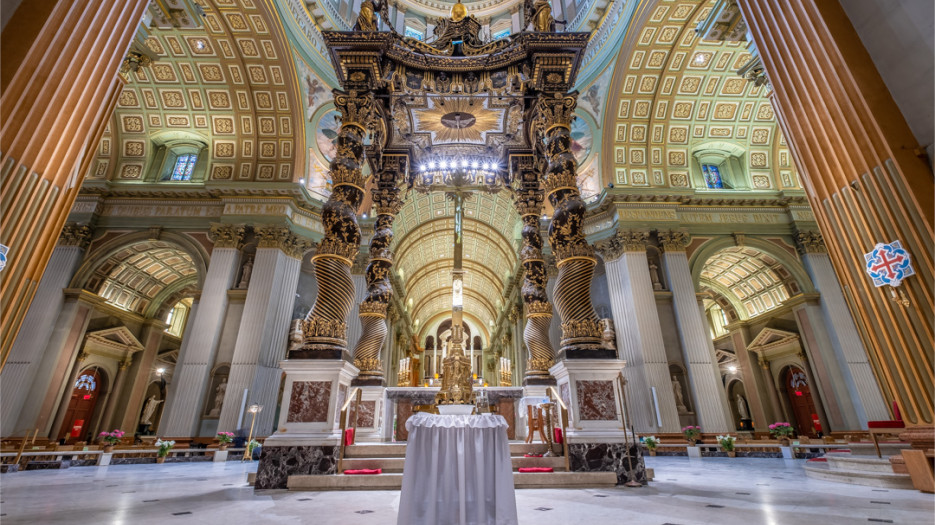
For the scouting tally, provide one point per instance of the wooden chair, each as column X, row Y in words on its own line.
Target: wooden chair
column 533, row 424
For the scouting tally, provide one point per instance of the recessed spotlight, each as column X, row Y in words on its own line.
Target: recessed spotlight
column 365, row 215
column 422, row 167
column 732, row 368
column 301, row 181
column 699, row 58
column 199, row 44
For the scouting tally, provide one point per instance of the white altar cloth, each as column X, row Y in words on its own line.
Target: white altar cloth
column 457, row 472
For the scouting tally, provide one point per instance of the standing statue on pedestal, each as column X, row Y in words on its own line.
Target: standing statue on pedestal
column 149, row 409
column 539, row 14
column 245, row 275
column 367, row 18
column 679, row 399
column 742, row 407
column 218, row 399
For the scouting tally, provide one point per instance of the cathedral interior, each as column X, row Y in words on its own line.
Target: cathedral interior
column 288, row 219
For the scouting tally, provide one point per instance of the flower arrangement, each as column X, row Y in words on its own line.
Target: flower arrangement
column 225, row 437
column 692, row 433
column 164, row 447
column 251, row 446
column 112, row 437
column 651, row 442
column 781, row 430
column 727, row 442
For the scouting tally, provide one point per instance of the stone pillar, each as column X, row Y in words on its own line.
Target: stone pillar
column 325, row 327
column 46, row 154
column 261, row 340
column 360, row 291
column 33, row 340
column 639, row 334
column 751, row 382
column 581, row 333
column 777, row 409
column 858, row 383
column 185, row 398
column 113, row 397
column 864, row 176
column 704, row 375
column 140, row 373
column 372, row 310
column 528, row 201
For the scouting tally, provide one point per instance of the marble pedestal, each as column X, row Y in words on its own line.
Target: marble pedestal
column 308, row 436
column 597, row 436
column 368, row 419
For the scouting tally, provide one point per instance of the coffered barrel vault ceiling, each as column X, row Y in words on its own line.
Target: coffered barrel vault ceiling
column 229, row 85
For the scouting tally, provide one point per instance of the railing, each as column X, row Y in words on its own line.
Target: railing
column 353, row 397
column 553, row 395
column 59, row 455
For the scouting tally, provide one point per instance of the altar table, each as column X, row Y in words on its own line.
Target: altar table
column 457, row 472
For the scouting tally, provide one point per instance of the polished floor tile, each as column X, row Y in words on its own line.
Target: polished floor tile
column 686, row 492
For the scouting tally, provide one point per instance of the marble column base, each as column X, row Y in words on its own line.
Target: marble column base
column 278, row 463
column 220, row 456
column 369, row 421
column 313, row 394
column 608, row 457
column 104, row 459
column 590, row 388
column 6, row 468
column 693, row 452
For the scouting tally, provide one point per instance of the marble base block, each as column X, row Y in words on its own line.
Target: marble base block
column 104, row 459
column 278, row 463
column 6, row 468
column 608, row 457
column 590, row 388
column 220, row 456
column 694, row 452
column 368, row 419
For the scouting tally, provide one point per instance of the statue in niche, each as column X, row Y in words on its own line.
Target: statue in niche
column 608, row 334
column 654, row 276
column 149, row 409
column 679, row 399
column 218, row 398
column 296, row 336
column 245, row 275
column 742, row 407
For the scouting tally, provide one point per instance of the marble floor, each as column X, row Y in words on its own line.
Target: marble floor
column 698, row 491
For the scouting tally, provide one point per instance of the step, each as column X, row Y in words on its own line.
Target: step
column 376, row 450
column 558, row 463
column 251, row 478
column 395, row 481
column 849, row 463
column 891, row 448
column 519, row 448
column 389, row 465
column 870, row 479
column 577, row 480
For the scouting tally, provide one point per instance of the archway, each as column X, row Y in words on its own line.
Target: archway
column 802, row 407
column 83, row 404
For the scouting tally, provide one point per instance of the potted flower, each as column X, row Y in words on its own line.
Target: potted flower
column 782, row 431
column 164, row 448
column 728, row 444
column 111, row 438
column 225, row 438
column 251, row 446
column 651, row 443
column 692, row 433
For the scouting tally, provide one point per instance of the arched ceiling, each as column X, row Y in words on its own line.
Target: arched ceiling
column 673, row 92
column 424, row 250
column 748, row 277
column 229, row 84
column 133, row 277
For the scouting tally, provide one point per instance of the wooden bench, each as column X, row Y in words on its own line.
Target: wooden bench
column 921, row 467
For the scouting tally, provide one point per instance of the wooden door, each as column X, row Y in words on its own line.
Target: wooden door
column 800, row 399
column 81, row 405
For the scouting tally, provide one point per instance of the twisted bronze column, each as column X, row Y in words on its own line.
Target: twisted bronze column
column 528, row 201
column 379, row 290
column 325, row 327
column 581, row 333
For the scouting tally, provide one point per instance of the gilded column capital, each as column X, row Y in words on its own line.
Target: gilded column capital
column 674, row 241
column 226, row 235
column 123, row 365
column 764, row 363
column 282, row 238
column 623, row 241
column 809, row 242
column 76, row 235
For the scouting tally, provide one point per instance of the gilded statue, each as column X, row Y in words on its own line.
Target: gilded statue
column 539, row 13
column 367, row 18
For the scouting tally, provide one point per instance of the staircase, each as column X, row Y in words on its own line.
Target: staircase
column 390, row 457
column 859, row 465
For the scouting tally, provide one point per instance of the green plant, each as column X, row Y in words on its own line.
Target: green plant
column 651, row 442
column 251, row 446
column 111, row 438
column 727, row 442
column 164, row 447
column 781, row 430
column 691, row 433
column 225, row 437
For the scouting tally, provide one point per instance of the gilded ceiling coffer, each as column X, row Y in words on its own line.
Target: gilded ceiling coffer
column 325, row 327
column 528, row 199
column 386, row 204
column 581, row 332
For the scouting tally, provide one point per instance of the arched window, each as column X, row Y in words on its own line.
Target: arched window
column 184, row 165
column 719, row 166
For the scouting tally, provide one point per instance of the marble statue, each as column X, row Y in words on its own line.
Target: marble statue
column 654, row 276
column 539, row 14
column 149, row 409
column 245, row 275
column 742, row 407
column 218, row 398
column 677, row 390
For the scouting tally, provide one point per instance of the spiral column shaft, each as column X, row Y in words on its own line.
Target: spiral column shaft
column 379, row 289
column 574, row 256
column 325, row 327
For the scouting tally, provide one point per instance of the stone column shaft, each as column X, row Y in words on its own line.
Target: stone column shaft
column 140, row 374
column 185, row 398
column 114, row 396
column 261, row 340
column 710, row 398
column 751, row 382
column 640, row 343
column 777, row 408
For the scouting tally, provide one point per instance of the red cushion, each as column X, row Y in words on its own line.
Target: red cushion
column 364, row 471
column 885, row 424
column 817, row 460
column 532, row 455
column 536, row 469
column 348, row 437
column 838, row 451
column 896, row 415
column 557, row 433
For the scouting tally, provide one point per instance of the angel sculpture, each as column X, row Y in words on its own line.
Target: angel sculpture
column 539, row 14
column 367, row 18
